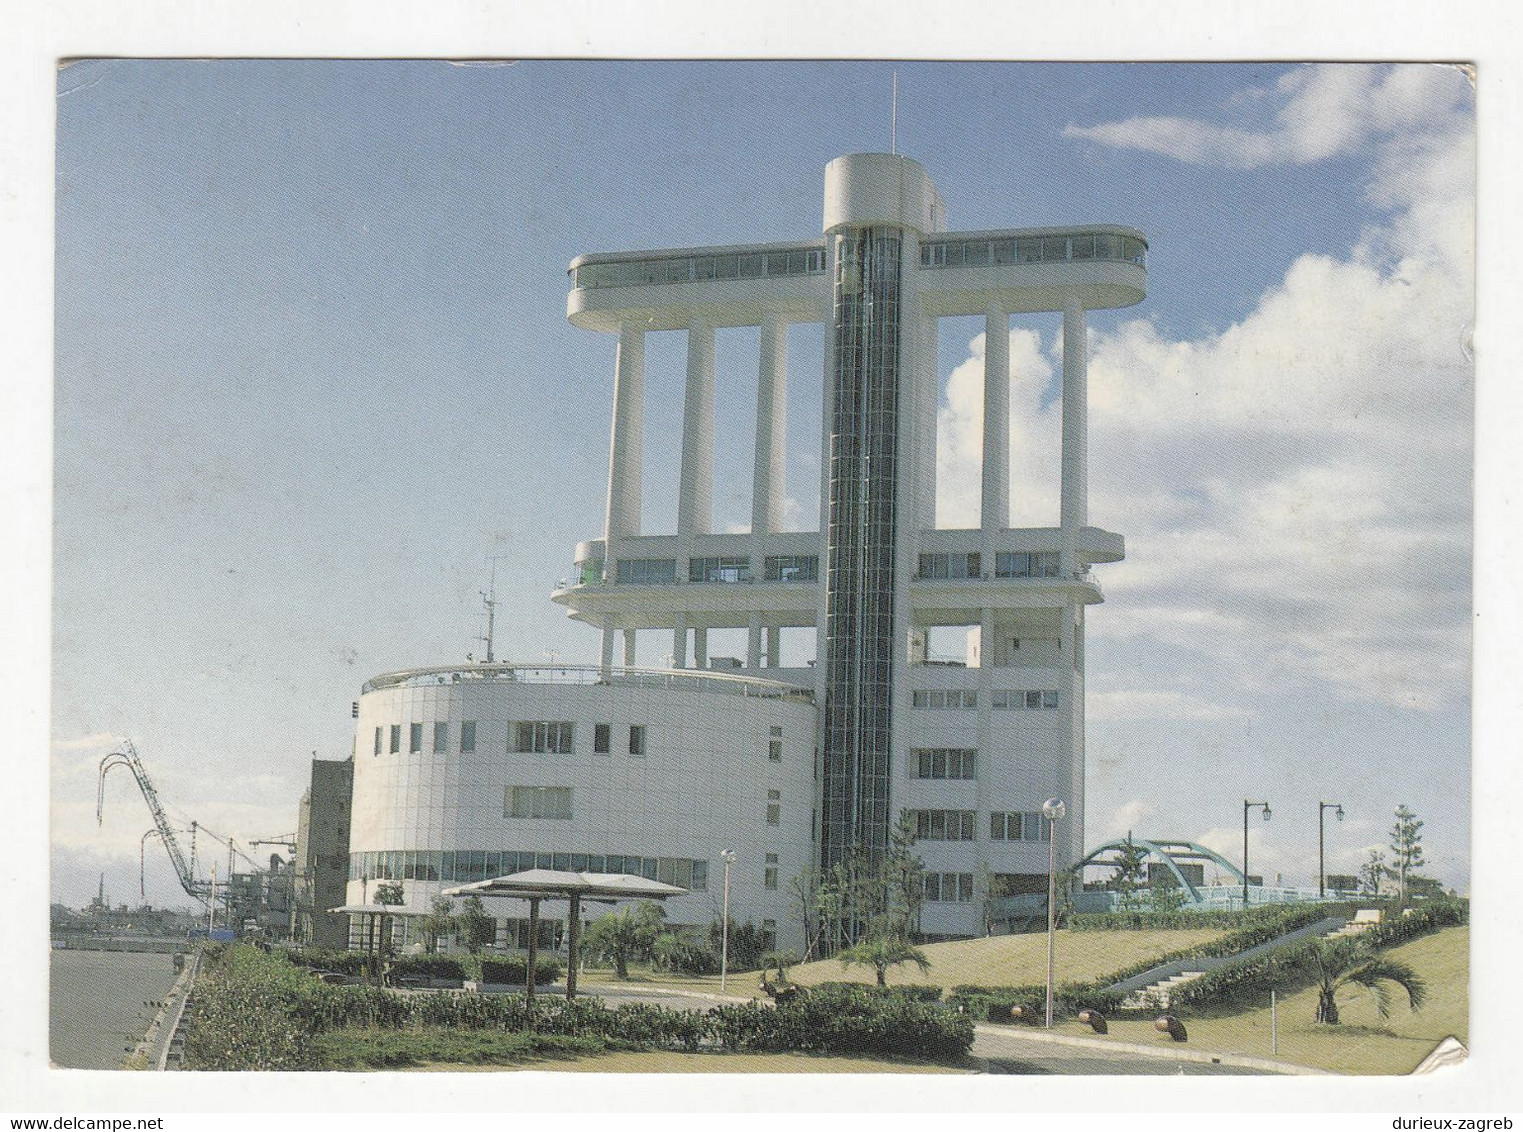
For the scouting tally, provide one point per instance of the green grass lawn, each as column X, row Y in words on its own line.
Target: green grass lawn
column 1364, row 1043
column 1014, row 960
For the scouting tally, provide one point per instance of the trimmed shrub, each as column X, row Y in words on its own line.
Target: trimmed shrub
column 911, row 992
column 846, row 1019
column 511, row 970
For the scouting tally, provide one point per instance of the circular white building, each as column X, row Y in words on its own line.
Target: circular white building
column 466, row 773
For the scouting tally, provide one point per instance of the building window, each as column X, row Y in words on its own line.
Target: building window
column 937, row 699
column 769, row 934
column 949, row 888
column 775, row 745
column 441, row 738
column 944, row 762
column 637, row 740
column 719, row 570
column 468, row 737
column 378, row 740
column 700, row 876
column 769, row 873
column 950, row 565
column 396, row 738
column 538, row 802
column 1016, row 700
column 541, row 738
column 791, row 568
column 1020, row 564
column 944, row 825
column 774, row 806
column 415, row 738
column 647, row 571
column 602, row 738
column 1027, row 826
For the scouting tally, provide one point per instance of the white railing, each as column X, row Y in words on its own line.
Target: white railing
column 693, row 679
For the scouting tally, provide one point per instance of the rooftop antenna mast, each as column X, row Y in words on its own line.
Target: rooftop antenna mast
column 893, row 120
column 489, row 599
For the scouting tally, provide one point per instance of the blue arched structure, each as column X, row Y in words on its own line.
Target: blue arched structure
column 1167, row 853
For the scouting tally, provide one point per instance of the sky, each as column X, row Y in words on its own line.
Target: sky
column 314, row 384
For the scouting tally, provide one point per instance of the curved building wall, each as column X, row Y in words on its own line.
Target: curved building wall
column 694, row 764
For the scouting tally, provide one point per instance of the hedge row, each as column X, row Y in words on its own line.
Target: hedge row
column 253, row 1011
column 507, row 969
column 913, row 993
column 996, row 1004
column 1285, row 968
column 1273, row 916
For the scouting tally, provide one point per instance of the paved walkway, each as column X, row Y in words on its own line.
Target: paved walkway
column 1020, row 1050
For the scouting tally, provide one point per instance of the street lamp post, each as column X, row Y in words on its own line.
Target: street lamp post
column 727, row 856
column 1247, row 805
column 1053, row 810
column 1322, row 808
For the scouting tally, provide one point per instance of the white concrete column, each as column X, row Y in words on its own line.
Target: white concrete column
column 626, row 463
column 1075, row 492
column 767, row 481
column 629, row 648
column 679, row 642
column 927, row 395
column 695, row 493
column 608, row 631
column 995, row 510
column 753, row 642
column 772, row 653
column 700, row 648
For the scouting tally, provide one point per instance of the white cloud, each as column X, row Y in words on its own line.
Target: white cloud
column 1295, row 489
column 1322, row 111
column 1140, row 704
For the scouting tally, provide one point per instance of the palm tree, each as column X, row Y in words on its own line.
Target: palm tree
column 882, row 953
column 1336, row 963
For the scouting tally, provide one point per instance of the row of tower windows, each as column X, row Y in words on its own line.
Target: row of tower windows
column 986, row 252
column 1007, row 564
column 962, row 825
column 1002, row 699
column 729, row 569
column 528, row 737
column 466, row 866
column 697, row 269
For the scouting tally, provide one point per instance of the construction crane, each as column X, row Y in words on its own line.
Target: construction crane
column 128, row 757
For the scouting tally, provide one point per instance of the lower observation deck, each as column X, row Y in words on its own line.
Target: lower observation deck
column 724, row 580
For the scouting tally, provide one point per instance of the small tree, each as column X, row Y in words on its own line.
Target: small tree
column 1406, row 848
column 1334, row 964
column 987, row 888
column 782, row 960
column 476, row 928
column 439, row 922
column 626, row 934
column 1372, row 872
column 1129, row 875
column 881, row 953
column 1165, row 893
column 390, row 893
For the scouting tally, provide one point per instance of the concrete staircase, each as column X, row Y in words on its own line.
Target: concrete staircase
column 1152, row 989
column 1155, row 996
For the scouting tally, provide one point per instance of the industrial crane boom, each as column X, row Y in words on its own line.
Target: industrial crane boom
column 128, row 757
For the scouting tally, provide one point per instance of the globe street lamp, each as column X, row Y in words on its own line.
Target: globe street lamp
column 1053, row 810
column 1322, row 808
column 727, row 856
column 1247, row 805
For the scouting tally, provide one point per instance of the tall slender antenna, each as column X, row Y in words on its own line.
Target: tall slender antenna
column 489, row 599
column 893, row 126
